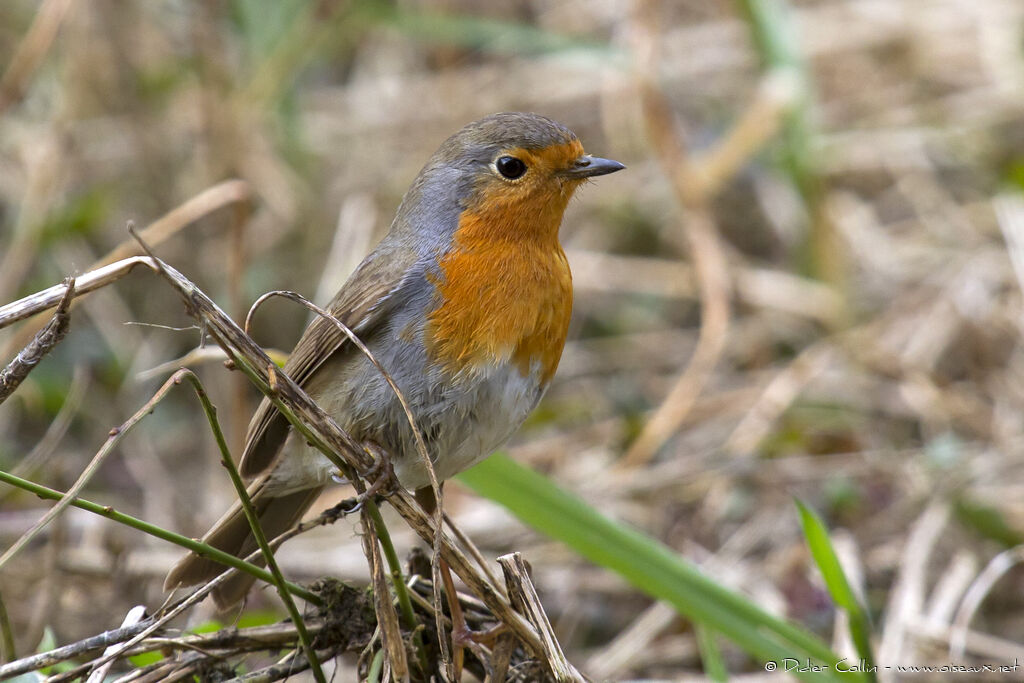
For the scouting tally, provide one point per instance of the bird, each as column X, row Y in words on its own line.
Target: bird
column 465, row 302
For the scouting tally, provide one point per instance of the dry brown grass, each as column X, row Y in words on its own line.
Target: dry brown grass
column 889, row 397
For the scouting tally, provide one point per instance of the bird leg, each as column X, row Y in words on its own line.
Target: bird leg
column 461, row 634
column 486, row 637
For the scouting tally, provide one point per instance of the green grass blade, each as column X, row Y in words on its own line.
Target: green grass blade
column 838, row 586
column 710, row 655
column 647, row 564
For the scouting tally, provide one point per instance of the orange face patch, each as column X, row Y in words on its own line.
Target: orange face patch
column 532, row 204
column 550, row 159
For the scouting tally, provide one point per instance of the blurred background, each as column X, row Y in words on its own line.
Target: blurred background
column 833, row 187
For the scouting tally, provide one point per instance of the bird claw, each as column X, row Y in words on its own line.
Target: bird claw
column 349, row 506
column 382, row 474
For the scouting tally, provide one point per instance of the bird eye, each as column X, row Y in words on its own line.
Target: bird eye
column 510, row 167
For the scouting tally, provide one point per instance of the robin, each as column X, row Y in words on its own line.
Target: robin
column 466, row 303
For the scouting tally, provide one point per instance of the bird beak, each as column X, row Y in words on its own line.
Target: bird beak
column 588, row 167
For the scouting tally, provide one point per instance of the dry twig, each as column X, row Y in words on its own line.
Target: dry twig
column 44, row 341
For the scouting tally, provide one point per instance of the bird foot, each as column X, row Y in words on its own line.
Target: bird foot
column 465, row 636
column 382, row 474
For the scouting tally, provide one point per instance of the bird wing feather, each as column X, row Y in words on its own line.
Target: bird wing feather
column 361, row 304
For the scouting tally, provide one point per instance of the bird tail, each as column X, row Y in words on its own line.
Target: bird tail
column 232, row 534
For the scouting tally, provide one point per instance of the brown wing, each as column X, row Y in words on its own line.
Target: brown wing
column 361, row 304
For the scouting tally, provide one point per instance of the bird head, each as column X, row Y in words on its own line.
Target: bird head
column 507, row 176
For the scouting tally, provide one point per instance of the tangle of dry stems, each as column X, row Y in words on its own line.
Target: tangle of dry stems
column 245, row 354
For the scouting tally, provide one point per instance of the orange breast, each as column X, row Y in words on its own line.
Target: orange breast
column 501, row 298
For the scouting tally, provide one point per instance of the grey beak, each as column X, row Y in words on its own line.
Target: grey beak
column 589, row 167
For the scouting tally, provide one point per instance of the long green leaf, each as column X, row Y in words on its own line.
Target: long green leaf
column 710, row 655
column 650, row 566
column 838, row 586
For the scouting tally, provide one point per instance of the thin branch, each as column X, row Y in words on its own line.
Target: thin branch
column 387, row 620
column 283, row 670
column 7, row 649
column 88, row 282
column 254, row 523
column 976, row 593
column 127, row 252
column 44, row 448
column 42, row 343
column 327, row 517
column 468, row 544
column 113, row 440
column 394, row 565
column 71, row 651
column 135, row 615
column 156, row 531
column 524, row 596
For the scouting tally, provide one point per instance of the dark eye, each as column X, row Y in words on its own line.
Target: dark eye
column 510, row 167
